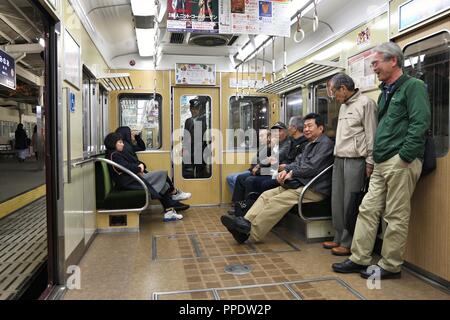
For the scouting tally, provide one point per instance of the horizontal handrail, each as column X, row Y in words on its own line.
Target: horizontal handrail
column 79, row 163
column 302, row 194
column 133, row 175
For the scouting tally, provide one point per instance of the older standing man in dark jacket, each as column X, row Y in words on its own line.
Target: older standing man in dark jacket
column 404, row 117
column 272, row 205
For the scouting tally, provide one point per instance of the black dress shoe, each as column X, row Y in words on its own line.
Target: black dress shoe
column 232, row 226
column 384, row 274
column 179, row 206
column 239, row 237
column 348, row 266
column 239, row 224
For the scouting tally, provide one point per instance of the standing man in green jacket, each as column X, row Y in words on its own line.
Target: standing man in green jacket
column 404, row 117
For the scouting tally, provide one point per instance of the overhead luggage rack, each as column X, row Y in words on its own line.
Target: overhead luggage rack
column 116, row 81
column 311, row 72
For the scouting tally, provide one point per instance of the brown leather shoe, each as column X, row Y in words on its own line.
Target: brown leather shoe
column 341, row 251
column 330, row 244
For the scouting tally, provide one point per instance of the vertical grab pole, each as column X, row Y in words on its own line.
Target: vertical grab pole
column 274, row 77
column 264, row 67
column 256, row 70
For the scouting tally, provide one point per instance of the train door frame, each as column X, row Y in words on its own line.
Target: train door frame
column 198, row 184
column 53, row 157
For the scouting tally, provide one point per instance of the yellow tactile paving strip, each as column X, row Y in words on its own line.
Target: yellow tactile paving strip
column 120, row 266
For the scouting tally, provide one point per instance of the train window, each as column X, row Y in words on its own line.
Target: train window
column 142, row 113
column 428, row 60
column 196, row 124
column 245, row 115
column 325, row 106
column 294, row 105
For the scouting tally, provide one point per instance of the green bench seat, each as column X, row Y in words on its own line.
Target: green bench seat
column 108, row 197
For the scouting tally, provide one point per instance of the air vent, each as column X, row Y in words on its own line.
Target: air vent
column 177, row 38
column 144, row 22
column 209, row 40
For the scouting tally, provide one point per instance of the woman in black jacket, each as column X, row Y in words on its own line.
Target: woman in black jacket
column 158, row 187
column 20, row 143
column 130, row 149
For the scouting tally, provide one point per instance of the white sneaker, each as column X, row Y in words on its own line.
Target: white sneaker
column 172, row 215
column 180, row 195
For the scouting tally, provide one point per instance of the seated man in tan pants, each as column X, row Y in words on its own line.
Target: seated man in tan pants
column 273, row 204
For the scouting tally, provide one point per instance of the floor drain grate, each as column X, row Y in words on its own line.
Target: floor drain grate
column 238, row 269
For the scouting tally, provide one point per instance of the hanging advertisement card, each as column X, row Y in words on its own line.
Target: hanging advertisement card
column 193, row 16
column 268, row 17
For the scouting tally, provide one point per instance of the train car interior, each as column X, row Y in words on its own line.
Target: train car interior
column 131, row 148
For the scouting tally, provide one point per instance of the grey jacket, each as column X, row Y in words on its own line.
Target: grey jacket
column 316, row 156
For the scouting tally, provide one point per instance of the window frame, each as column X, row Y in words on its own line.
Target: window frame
column 285, row 115
column 230, row 147
column 416, row 42
column 142, row 96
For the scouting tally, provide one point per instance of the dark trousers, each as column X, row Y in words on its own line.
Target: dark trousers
column 259, row 184
column 247, row 183
column 239, row 187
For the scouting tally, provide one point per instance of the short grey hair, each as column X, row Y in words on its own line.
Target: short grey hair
column 342, row 79
column 391, row 50
column 296, row 122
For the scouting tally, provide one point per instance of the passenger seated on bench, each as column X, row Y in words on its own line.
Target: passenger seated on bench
column 264, row 153
column 156, row 181
column 272, row 205
column 132, row 143
column 297, row 142
column 279, row 149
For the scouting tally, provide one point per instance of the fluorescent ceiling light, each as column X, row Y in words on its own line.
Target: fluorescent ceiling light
column 146, row 42
column 332, row 51
column 42, row 42
column 143, row 7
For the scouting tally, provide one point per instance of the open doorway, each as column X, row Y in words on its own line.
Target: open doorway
column 22, row 118
column 24, row 105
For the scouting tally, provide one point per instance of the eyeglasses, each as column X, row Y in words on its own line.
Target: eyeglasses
column 375, row 63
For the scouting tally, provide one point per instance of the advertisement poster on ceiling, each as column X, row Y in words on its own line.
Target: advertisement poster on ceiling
column 269, row 17
column 193, row 16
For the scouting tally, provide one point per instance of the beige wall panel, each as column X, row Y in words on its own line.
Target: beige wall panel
column 156, row 160
column 429, row 233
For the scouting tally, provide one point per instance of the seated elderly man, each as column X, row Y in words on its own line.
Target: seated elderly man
column 272, row 205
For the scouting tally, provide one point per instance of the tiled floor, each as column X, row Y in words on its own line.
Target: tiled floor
column 186, row 260
column 23, row 247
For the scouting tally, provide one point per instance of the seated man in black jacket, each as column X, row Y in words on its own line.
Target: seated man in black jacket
column 272, row 205
column 156, row 181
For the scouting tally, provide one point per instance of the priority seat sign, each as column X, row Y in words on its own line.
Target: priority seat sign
column 7, row 71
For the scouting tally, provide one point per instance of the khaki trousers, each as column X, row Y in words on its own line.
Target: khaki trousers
column 391, row 187
column 272, row 205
